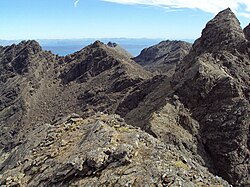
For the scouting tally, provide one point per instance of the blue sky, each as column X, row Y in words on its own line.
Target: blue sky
column 67, row 19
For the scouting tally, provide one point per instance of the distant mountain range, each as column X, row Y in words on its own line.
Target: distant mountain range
column 64, row 47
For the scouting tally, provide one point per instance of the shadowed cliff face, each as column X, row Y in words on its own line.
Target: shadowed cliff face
column 214, row 84
column 247, row 32
column 22, row 70
column 195, row 113
column 163, row 57
column 222, row 32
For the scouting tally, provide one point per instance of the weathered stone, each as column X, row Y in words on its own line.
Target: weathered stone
column 102, row 154
column 210, row 84
column 163, row 57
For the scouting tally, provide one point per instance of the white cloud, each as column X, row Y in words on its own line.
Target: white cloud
column 242, row 7
column 76, row 3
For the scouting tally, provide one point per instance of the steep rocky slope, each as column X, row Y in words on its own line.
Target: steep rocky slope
column 99, row 151
column 214, row 84
column 163, row 57
column 37, row 86
column 23, row 70
column 119, row 49
column 204, row 108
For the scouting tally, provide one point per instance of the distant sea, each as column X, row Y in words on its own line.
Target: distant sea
column 134, row 50
column 64, row 47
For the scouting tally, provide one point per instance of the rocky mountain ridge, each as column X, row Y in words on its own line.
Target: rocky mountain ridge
column 196, row 116
column 40, row 88
column 163, row 57
column 219, row 61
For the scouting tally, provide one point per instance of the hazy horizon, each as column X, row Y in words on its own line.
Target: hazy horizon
column 64, row 47
column 73, row 19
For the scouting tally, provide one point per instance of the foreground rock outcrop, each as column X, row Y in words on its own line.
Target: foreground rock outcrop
column 100, row 150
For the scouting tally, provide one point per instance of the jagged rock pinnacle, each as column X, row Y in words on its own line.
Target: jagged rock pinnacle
column 97, row 43
column 223, row 30
column 111, row 44
column 31, row 44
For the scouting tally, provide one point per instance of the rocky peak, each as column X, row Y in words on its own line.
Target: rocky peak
column 213, row 82
column 16, row 57
column 98, row 58
column 97, row 43
column 29, row 43
column 221, row 32
column 112, row 44
column 32, row 46
column 164, row 56
column 163, row 49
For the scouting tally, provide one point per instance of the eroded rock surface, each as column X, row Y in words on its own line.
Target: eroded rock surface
column 38, row 86
column 247, row 32
column 163, row 57
column 101, row 150
column 203, row 110
column 213, row 84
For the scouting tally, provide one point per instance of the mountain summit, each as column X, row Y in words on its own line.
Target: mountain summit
column 214, row 83
column 163, row 57
column 223, row 31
